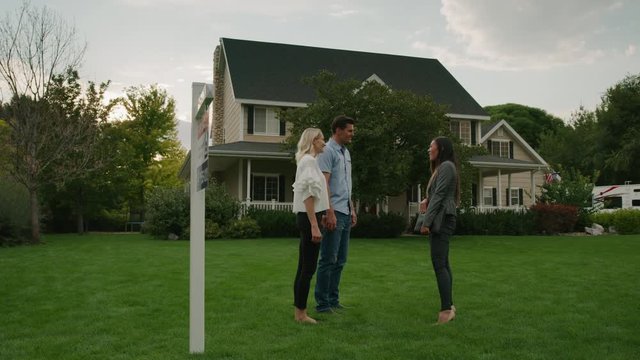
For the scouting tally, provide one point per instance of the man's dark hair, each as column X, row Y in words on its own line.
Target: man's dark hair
column 341, row 121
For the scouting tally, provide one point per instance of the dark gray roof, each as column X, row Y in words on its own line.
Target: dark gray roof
column 487, row 127
column 273, row 72
column 251, row 148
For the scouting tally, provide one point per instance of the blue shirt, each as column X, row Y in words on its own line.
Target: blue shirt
column 336, row 160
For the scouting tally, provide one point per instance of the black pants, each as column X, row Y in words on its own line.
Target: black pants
column 307, row 261
column 439, row 243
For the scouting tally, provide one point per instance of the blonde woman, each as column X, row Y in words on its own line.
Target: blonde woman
column 310, row 202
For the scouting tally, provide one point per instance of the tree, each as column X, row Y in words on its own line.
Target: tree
column 145, row 142
column 531, row 123
column 619, row 121
column 559, row 148
column 36, row 49
column 35, row 46
column 52, row 139
column 82, row 165
column 393, row 132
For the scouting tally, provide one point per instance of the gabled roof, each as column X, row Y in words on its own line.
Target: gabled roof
column 272, row 72
column 488, row 130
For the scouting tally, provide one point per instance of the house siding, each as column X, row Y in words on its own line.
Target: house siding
column 232, row 112
column 519, row 153
column 518, row 180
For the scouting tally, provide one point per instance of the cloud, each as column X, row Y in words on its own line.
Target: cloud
column 526, row 34
column 273, row 8
column 631, row 50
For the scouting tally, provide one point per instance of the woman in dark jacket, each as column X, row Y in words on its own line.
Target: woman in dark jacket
column 443, row 197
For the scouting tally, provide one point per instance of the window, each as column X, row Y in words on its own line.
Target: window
column 265, row 121
column 514, row 196
column 487, row 196
column 613, row 202
column 500, row 148
column 635, row 203
column 462, row 129
column 265, row 187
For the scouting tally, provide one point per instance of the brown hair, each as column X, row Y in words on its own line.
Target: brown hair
column 445, row 153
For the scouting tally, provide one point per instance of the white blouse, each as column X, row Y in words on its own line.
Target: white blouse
column 310, row 182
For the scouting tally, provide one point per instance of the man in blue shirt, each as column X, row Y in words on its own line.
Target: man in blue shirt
column 335, row 163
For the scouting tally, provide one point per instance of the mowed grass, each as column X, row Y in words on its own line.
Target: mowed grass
column 127, row 297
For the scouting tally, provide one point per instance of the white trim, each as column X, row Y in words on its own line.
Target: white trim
column 251, row 154
column 271, row 103
column 482, row 197
column 376, row 78
column 517, row 196
column 531, row 166
column 517, row 137
column 468, row 117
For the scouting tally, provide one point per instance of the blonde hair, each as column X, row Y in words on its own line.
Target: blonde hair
column 305, row 144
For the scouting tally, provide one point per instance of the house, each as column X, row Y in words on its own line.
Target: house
column 253, row 79
column 510, row 175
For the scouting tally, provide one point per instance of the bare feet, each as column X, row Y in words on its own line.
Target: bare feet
column 306, row 320
column 445, row 316
column 302, row 317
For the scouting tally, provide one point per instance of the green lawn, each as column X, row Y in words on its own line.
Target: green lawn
column 126, row 297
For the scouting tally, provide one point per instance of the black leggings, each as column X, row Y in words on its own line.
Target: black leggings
column 439, row 243
column 307, row 261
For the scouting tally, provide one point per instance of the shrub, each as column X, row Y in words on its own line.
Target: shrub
column 245, row 228
column 14, row 213
column 211, row 230
column 275, row 223
column 625, row 221
column 603, row 218
column 554, row 218
column 382, row 226
column 496, row 222
column 167, row 212
column 220, row 206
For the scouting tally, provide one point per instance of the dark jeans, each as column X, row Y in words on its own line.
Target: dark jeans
column 307, row 261
column 333, row 257
column 439, row 243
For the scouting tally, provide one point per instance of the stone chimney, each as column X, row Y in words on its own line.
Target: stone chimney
column 217, row 130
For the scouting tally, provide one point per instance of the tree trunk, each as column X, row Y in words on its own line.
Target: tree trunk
column 80, row 222
column 79, row 209
column 35, row 217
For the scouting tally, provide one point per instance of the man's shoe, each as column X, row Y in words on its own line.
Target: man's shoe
column 328, row 311
column 340, row 307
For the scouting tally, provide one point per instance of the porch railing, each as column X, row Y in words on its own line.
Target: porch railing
column 414, row 208
column 265, row 205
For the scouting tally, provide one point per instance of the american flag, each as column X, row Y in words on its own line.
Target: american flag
column 551, row 177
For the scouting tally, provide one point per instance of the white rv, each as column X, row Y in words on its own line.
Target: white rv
column 613, row 197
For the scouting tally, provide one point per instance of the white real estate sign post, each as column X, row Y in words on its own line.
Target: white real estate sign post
column 201, row 98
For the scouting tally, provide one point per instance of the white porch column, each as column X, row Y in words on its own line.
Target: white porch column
column 533, row 189
column 480, row 193
column 419, row 193
column 248, row 181
column 240, row 179
column 499, row 192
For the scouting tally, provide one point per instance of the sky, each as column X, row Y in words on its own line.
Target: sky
column 549, row 54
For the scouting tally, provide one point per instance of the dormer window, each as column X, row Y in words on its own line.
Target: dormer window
column 264, row 121
column 462, row 129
